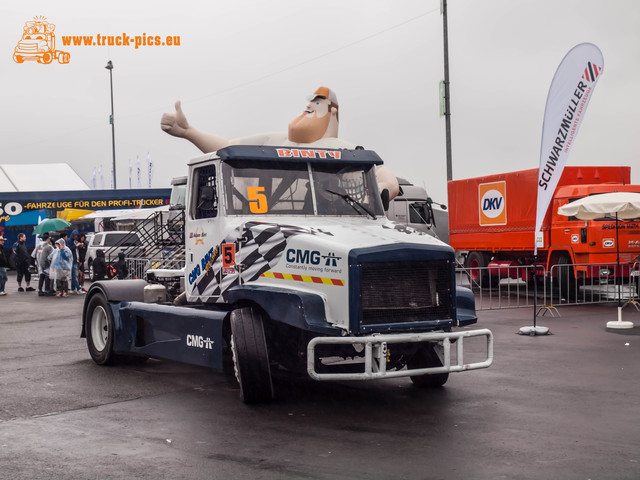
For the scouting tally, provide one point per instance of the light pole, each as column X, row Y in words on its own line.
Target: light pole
column 447, row 105
column 111, row 121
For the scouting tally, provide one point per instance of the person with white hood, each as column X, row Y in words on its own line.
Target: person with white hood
column 60, row 270
column 41, row 253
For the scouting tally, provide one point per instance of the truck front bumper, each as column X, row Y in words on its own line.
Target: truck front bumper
column 375, row 354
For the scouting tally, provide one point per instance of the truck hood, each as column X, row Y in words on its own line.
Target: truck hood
column 364, row 232
column 259, row 249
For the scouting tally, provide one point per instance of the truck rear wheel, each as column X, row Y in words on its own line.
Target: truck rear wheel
column 566, row 279
column 424, row 358
column 250, row 355
column 98, row 322
column 476, row 265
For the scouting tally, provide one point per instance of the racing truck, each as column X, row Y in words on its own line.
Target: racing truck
column 292, row 268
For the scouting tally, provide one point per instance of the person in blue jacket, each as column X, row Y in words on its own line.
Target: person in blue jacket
column 61, row 265
column 72, row 244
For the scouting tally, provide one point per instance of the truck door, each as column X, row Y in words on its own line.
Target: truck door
column 200, row 232
column 571, row 234
column 398, row 211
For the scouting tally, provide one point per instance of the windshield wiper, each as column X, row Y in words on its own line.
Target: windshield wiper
column 353, row 202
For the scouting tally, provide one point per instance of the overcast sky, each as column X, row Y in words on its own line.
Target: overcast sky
column 246, row 66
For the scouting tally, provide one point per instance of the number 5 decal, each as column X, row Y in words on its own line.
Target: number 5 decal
column 228, row 254
column 257, row 200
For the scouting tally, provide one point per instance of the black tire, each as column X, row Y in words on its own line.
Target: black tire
column 567, row 285
column 476, row 264
column 90, row 270
column 424, row 358
column 98, row 322
column 250, row 355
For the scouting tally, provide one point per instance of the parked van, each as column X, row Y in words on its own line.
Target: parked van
column 112, row 243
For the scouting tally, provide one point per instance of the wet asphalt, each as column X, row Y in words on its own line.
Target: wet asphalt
column 563, row 406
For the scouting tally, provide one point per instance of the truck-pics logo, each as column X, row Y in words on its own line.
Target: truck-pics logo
column 38, row 43
column 492, row 201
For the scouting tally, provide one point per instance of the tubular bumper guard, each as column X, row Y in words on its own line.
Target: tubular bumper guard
column 375, row 354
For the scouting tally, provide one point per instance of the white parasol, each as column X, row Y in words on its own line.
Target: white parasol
column 621, row 205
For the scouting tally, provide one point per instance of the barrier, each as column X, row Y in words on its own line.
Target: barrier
column 504, row 286
column 139, row 266
column 501, row 287
column 588, row 283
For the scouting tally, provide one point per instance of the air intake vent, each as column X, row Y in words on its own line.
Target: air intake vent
column 405, row 291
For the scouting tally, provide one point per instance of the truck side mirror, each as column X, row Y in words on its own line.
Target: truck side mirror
column 385, row 199
column 207, row 202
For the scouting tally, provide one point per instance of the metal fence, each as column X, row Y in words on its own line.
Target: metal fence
column 504, row 287
column 139, row 266
column 579, row 284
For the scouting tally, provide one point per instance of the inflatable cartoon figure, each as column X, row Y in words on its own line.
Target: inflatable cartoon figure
column 317, row 125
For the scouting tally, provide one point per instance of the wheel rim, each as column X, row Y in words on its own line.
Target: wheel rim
column 99, row 328
column 234, row 355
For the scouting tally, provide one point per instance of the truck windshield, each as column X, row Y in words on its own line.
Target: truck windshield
column 289, row 188
column 178, row 195
column 419, row 213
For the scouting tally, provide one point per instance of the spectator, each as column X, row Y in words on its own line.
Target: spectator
column 122, row 271
column 23, row 262
column 4, row 264
column 61, row 265
column 42, row 253
column 72, row 244
column 99, row 266
column 82, row 251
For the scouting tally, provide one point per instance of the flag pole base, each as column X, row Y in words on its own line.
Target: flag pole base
column 533, row 331
column 618, row 324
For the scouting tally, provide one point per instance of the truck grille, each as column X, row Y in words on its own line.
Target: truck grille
column 405, row 291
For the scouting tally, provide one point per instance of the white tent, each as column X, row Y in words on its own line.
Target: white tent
column 107, row 213
column 5, row 183
column 39, row 178
column 139, row 214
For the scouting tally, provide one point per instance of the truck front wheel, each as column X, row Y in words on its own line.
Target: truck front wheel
column 250, row 355
column 424, row 358
column 98, row 322
column 477, row 267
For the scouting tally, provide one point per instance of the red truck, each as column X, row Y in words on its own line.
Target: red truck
column 493, row 219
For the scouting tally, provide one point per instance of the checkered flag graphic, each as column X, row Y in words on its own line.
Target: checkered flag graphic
column 259, row 248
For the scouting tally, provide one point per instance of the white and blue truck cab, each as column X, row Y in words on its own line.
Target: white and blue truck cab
column 291, row 265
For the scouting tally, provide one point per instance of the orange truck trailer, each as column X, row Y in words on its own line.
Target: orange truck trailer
column 492, row 219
